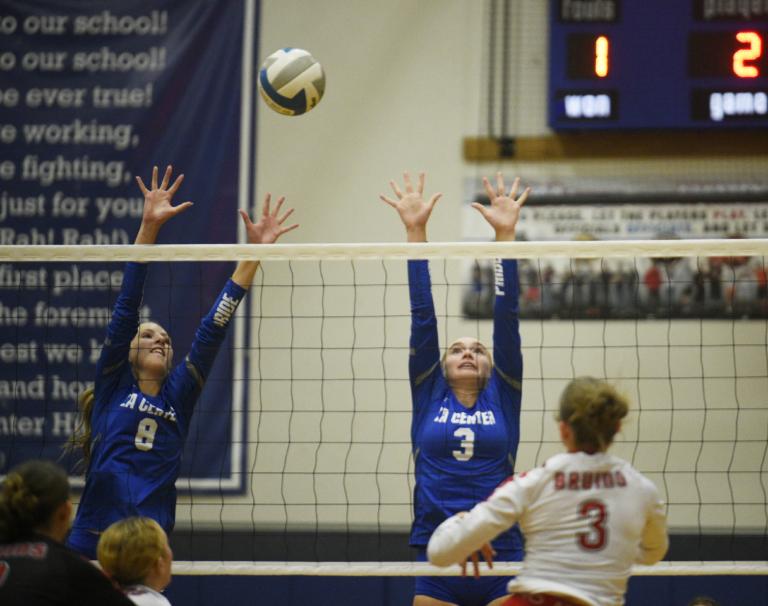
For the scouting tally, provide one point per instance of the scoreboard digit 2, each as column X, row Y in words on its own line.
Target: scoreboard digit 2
column 648, row 64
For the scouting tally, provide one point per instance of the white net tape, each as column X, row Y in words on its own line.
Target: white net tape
column 432, row 250
column 368, row 569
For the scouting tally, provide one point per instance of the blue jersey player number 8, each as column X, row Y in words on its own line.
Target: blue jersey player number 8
column 466, row 404
column 136, row 419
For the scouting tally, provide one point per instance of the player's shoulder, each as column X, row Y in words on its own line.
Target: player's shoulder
column 503, row 391
column 624, row 466
column 635, row 478
column 582, row 462
column 430, row 387
column 559, row 462
column 530, row 477
column 76, row 563
column 74, row 574
column 81, row 571
column 144, row 596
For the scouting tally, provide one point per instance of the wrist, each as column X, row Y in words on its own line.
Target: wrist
column 506, row 237
column 417, row 234
column 147, row 234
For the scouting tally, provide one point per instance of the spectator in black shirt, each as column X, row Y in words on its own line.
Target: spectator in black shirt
column 35, row 568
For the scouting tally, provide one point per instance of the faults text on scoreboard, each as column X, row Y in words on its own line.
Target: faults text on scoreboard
column 627, row 64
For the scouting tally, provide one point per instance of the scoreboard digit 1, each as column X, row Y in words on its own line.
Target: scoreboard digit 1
column 682, row 64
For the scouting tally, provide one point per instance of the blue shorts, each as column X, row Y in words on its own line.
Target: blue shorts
column 84, row 541
column 466, row 591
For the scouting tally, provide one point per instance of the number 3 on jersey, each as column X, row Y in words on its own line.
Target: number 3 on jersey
column 597, row 537
column 145, row 437
column 467, row 444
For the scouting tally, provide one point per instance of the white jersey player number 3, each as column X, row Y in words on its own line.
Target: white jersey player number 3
column 596, row 539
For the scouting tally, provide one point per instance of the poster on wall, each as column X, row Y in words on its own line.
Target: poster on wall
column 93, row 95
column 712, row 287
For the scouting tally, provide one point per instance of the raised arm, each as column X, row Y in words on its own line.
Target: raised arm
column 425, row 346
column 157, row 206
column 507, row 345
column 125, row 317
column 194, row 372
column 414, row 212
column 502, row 216
column 266, row 231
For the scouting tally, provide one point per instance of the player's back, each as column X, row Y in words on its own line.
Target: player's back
column 36, row 570
column 584, row 518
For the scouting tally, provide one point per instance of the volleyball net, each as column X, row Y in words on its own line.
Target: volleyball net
column 300, row 446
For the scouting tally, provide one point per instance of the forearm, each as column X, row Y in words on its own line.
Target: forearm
column 506, row 324
column 420, row 289
column 125, row 317
column 244, row 273
column 214, row 327
column 655, row 540
column 456, row 538
column 425, row 351
column 147, row 233
column 124, row 322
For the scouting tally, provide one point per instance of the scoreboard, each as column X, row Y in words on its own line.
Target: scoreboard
column 666, row 64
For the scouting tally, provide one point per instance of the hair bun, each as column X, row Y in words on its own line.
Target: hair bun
column 594, row 410
column 29, row 496
column 18, row 499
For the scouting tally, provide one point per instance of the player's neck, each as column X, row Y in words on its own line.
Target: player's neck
column 157, row 579
column 573, row 449
column 153, row 582
column 57, row 534
column 150, row 387
column 466, row 396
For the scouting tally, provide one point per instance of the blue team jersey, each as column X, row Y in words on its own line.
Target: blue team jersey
column 462, row 454
column 137, row 439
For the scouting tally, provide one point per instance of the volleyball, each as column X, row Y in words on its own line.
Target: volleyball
column 292, row 81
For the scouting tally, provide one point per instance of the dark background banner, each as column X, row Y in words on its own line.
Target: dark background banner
column 93, row 94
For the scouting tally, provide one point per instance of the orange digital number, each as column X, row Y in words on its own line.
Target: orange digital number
column 754, row 51
column 601, row 56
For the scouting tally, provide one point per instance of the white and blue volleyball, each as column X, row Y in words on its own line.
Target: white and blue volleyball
column 292, row 81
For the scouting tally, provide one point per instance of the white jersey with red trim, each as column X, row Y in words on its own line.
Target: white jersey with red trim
column 586, row 520
column 141, row 595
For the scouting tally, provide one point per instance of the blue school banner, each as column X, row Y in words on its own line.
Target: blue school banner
column 92, row 94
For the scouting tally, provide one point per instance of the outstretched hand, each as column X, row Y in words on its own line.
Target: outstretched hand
column 486, row 550
column 412, row 209
column 157, row 201
column 269, row 228
column 488, row 553
column 504, row 210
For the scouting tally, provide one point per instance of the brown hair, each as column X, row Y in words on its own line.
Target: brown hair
column 29, row 496
column 593, row 409
column 81, row 438
column 129, row 549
